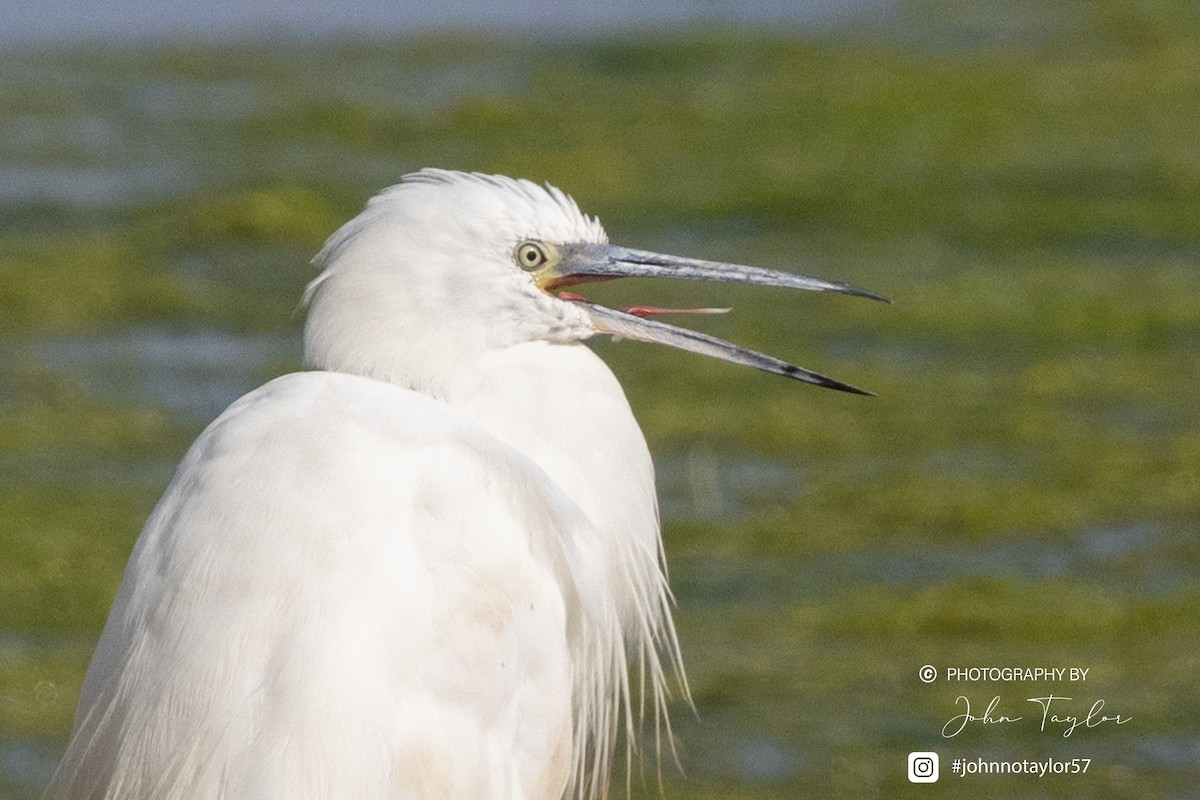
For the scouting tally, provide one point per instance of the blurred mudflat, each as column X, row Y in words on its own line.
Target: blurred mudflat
column 1023, row 492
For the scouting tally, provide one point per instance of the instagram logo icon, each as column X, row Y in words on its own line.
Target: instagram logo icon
column 923, row 767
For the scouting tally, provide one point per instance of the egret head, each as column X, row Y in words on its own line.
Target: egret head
column 447, row 265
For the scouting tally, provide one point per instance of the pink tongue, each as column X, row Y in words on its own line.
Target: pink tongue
column 650, row 311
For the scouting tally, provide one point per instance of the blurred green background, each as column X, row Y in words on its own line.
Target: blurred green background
column 1021, row 178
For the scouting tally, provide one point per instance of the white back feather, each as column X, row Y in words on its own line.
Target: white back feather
column 277, row 633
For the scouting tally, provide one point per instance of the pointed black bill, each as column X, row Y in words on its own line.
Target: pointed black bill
column 584, row 263
column 629, row 326
column 581, row 263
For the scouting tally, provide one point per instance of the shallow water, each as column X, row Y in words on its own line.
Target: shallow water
column 140, row 21
column 192, row 374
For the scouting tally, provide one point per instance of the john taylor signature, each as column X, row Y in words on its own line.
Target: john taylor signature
column 1053, row 716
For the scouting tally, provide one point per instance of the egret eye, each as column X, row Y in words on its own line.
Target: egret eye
column 531, row 256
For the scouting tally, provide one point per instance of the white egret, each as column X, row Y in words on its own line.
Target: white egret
column 421, row 569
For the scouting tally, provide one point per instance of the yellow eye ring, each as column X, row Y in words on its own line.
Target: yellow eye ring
column 530, row 256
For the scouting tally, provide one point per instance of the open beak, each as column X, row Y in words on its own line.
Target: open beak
column 584, row 263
